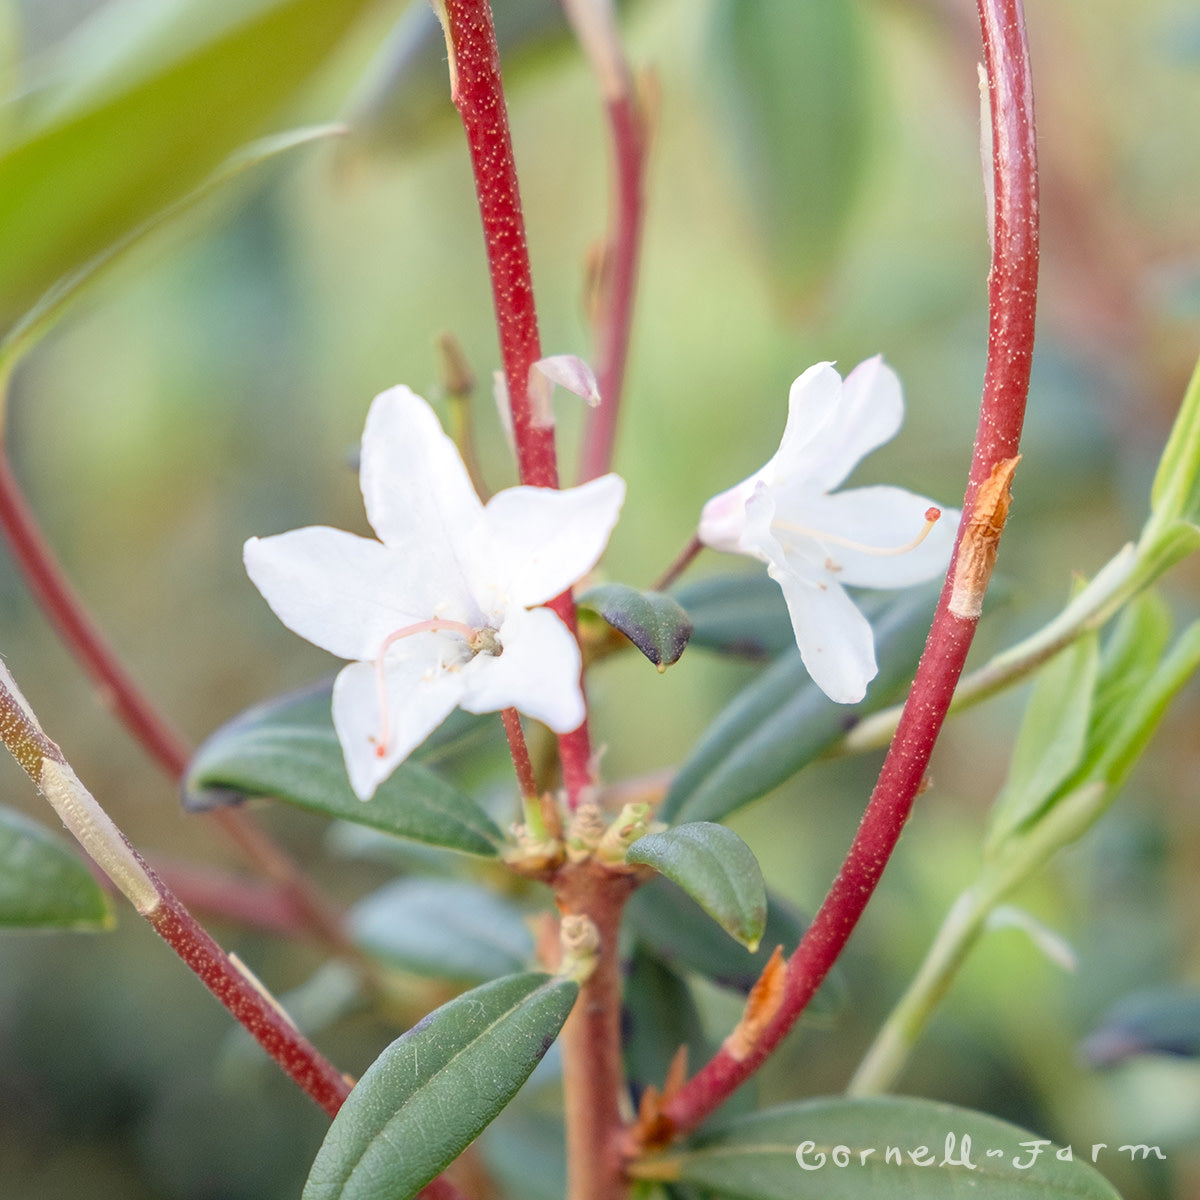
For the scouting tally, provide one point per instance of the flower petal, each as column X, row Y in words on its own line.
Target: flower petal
column 870, row 412
column 340, row 592
column 539, row 541
column 882, row 518
column 835, row 639
column 417, row 492
column 538, row 672
column 420, row 695
column 814, row 405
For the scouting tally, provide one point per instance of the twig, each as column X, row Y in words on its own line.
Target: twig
column 1012, row 297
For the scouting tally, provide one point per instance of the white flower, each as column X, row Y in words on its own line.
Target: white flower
column 814, row 542
column 442, row 610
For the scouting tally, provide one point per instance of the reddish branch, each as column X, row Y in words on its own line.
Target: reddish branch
column 619, row 277
column 478, row 95
column 1012, row 293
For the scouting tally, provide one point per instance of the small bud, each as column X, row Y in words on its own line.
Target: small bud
column 586, row 829
column 632, row 823
column 580, row 941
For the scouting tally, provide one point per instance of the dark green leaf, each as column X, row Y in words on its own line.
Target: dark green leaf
column 1162, row 1020
column 679, row 931
column 432, row 1091
column 287, row 748
column 1052, row 738
column 659, row 1015
column 43, row 883
column 756, row 1158
column 793, row 85
column 741, row 614
column 782, row 721
column 102, row 161
column 653, row 621
column 717, row 869
column 446, row 928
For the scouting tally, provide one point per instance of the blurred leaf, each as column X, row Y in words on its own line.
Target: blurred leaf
column 1052, row 738
column 659, row 1015
column 445, row 928
column 434, row 1090
column 756, row 1158
column 42, row 317
column 206, row 83
column 792, row 86
column 1164, row 1020
column 653, row 621
column 717, row 869
column 782, row 721
column 738, row 614
column 287, row 748
column 679, row 932
column 526, row 1151
column 43, row 883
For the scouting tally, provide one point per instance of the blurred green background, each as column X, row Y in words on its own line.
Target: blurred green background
column 806, row 201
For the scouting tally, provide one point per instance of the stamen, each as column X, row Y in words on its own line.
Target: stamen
column 932, row 516
column 437, row 625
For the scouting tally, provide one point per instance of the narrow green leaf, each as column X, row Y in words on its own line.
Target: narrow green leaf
column 43, row 883
column 741, row 614
column 432, row 1091
column 446, row 928
column 672, row 925
column 1175, row 493
column 717, row 869
column 653, row 621
column 793, row 85
column 892, row 1148
column 1052, row 738
column 287, row 748
column 196, row 87
column 782, row 721
column 1163, row 1020
column 659, row 1015
column 43, row 316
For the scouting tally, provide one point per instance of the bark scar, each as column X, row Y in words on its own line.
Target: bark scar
column 977, row 550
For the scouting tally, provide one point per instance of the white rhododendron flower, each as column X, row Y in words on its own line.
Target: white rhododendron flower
column 442, row 611
column 815, row 540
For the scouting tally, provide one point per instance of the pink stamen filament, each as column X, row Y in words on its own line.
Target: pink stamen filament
column 434, row 625
column 932, row 516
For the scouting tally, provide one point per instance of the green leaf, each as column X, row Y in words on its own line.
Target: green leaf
column 717, row 869
column 653, row 621
column 793, row 85
column 43, row 316
column 742, row 614
column 287, row 748
column 667, row 921
column 43, row 883
column 99, row 164
column 432, row 1091
column 759, row 1157
column 659, row 1015
column 1163, row 1020
column 782, row 721
column 1052, row 738
column 1175, row 493
column 446, row 928
column 525, row 1150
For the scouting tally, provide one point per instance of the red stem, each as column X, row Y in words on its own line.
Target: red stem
column 1012, row 295
column 478, row 94
column 520, row 752
column 620, row 279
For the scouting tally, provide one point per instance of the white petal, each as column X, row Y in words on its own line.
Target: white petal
column 419, row 698
column 835, row 639
column 341, row 592
column 870, row 413
column 723, row 518
column 882, row 518
column 540, row 541
column 814, row 403
column 572, row 373
column 418, row 494
column 537, row 673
